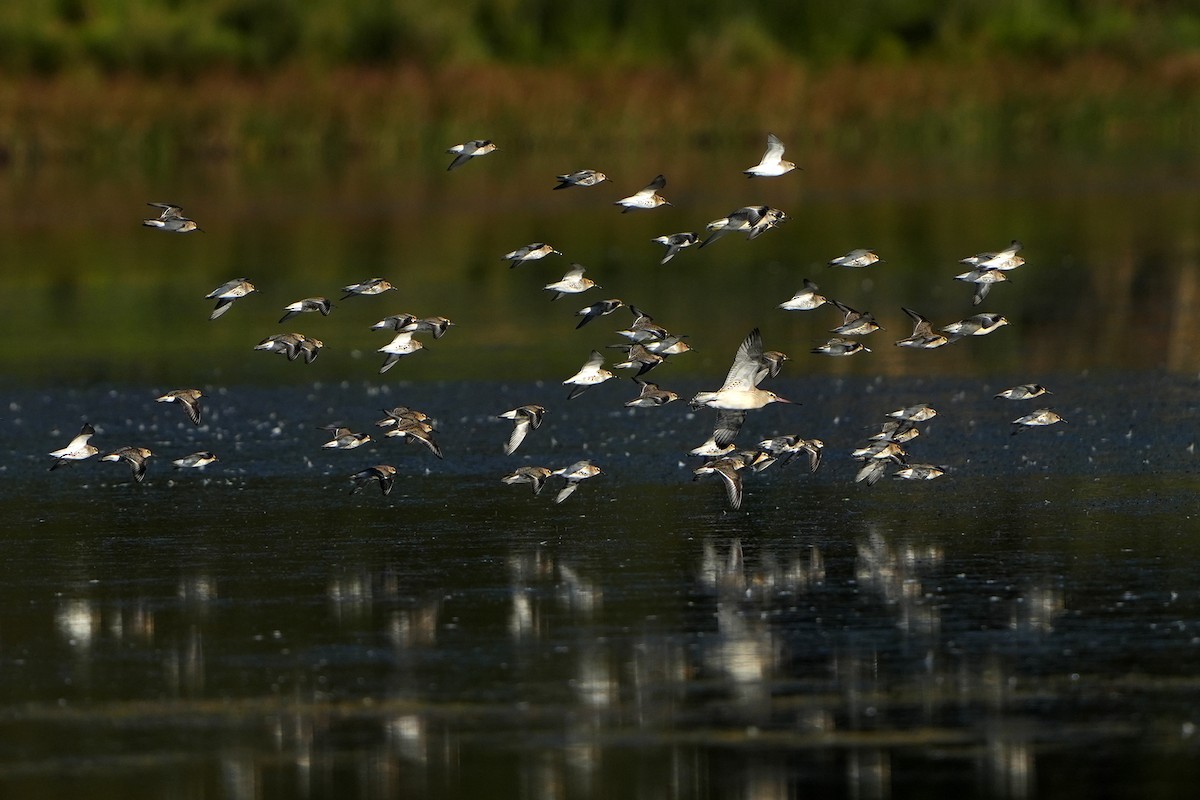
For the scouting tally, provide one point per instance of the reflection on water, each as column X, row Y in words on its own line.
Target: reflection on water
column 843, row 657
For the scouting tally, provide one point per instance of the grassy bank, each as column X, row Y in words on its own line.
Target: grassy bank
column 312, row 115
column 188, row 38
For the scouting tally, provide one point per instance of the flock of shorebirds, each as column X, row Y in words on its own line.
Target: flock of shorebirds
column 647, row 346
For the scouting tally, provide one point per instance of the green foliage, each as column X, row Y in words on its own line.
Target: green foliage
column 182, row 37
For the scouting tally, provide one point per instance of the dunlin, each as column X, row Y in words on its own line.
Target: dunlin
column 395, row 322
column 291, row 345
column 401, row 414
column 983, row 280
column 344, row 438
column 854, row 323
column 919, row 472
column 188, row 398
column 590, row 374
column 637, row 357
column 402, row 345
column 198, row 460
column 772, row 163
column 574, row 475
column 384, row 474
column 598, row 309
column 916, row 413
column 415, row 432
column 651, row 396
column 728, row 469
column 840, row 347
column 530, row 252
column 710, row 448
column 135, row 457
column 171, row 219
column 856, row 259
column 534, row 476
column 572, row 283
column 1026, row 391
column 435, row 325
column 226, row 293
column 321, row 304
column 467, row 150
column 1003, row 260
column 923, row 336
column 674, row 242
column 806, row 299
column 742, row 220
column 978, row 325
column 78, row 449
column 525, row 418
column 368, row 287
column 1038, row 419
column 896, row 431
column 584, row 177
column 786, row 448
column 645, row 198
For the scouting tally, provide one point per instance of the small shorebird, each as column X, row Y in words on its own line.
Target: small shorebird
column 710, row 448
column 646, row 198
column 534, row 476
column 396, row 322
column 384, row 474
column 806, row 299
column 525, row 418
column 402, row 345
column 786, row 448
column 1003, row 260
column 188, row 398
column 574, row 475
column 742, row 220
column 344, row 438
column 637, row 357
column 772, row 163
column 651, row 396
column 78, row 449
column 572, row 283
column 740, row 392
column 404, row 414
column 1026, row 391
column 368, row 287
column 674, row 242
column 923, row 336
column 198, row 460
column 467, row 150
column 227, row 292
column 918, row 413
column 1038, row 419
column 978, row 325
column 584, row 177
column 983, row 280
column 727, row 468
column 590, row 374
column 918, row 472
column 171, row 219
column 321, row 304
column 292, row 345
column 530, row 252
column 895, row 430
column 415, row 432
column 840, row 347
column 856, row 259
column 435, row 325
column 598, row 309
column 134, row 456
column 854, row 323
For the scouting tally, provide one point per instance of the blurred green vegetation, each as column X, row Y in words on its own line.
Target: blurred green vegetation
column 187, row 37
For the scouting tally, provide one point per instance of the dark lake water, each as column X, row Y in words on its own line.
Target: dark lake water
column 1028, row 625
